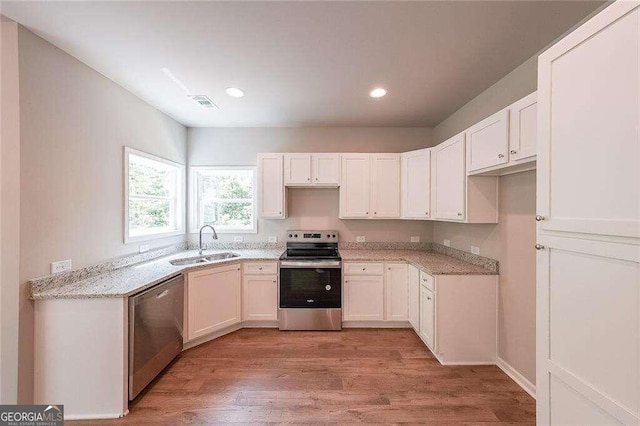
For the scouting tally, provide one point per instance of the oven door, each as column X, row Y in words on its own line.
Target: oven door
column 306, row 284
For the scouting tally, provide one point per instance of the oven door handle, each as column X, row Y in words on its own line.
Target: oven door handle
column 289, row 264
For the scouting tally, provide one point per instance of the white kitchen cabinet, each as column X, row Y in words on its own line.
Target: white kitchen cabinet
column 297, row 169
column 355, row 186
column 588, row 205
column 427, row 317
column 271, row 189
column 385, row 186
column 363, row 298
column 325, row 169
column 488, row 142
column 414, row 297
column 523, row 119
column 260, row 297
column 397, row 292
column 213, row 300
column 304, row 170
column 416, row 184
column 455, row 196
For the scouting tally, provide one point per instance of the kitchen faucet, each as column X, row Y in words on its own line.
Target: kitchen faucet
column 215, row 237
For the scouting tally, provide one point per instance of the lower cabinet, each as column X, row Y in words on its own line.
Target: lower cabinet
column 397, row 289
column 414, row 297
column 363, row 298
column 427, row 317
column 260, row 292
column 213, row 300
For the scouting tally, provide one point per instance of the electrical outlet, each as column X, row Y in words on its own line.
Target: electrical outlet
column 238, row 239
column 447, row 243
column 143, row 248
column 273, row 239
column 415, row 239
column 361, row 239
column 63, row 265
column 475, row 250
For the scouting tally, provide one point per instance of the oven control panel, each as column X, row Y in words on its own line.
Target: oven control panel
column 302, row 236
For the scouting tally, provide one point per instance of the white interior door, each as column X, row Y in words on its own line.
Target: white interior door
column 354, row 188
column 449, row 179
column 416, row 184
column 589, row 121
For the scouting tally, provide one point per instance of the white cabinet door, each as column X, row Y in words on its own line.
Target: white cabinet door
column 488, row 142
column 213, row 300
column 385, row 186
column 354, row 188
column 449, row 179
column 416, row 184
column 523, row 119
column 260, row 297
column 271, row 195
column 363, row 298
column 326, row 169
column 589, row 138
column 414, row 298
column 297, row 169
column 397, row 289
column 427, row 317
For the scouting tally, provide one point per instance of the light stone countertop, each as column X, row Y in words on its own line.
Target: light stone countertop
column 429, row 261
column 124, row 282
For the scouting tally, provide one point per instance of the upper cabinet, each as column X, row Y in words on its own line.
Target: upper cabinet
column 504, row 143
column 370, row 187
column 456, row 197
column 488, row 142
column 312, row 170
column 416, row 181
column 271, row 191
column 523, row 122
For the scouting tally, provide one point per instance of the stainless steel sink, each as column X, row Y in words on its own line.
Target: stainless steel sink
column 203, row 259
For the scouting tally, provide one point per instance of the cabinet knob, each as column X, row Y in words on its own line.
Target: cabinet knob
column 500, row 155
column 375, row 212
column 364, row 269
column 513, row 151
column 367, row 213
column 428, row 298
column 539, row 218
column 308, row 179
column 426, row 213
column 459, row 214
column 260, row 269
column 279, row 212
column 274, row 281
column 316, row 178
column 539, row 247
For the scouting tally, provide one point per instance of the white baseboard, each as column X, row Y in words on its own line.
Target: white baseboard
column 525, row 384
column 259, row 324
column 376, row 324
column 203, row 339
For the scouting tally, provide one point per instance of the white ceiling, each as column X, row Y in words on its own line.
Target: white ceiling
column 303, row 63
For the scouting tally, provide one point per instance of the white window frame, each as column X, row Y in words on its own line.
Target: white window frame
column 194, row 200
column 178, row 204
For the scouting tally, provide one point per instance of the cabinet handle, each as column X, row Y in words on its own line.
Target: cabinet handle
column 539, row 218
column 539, row 247
column 513, row 152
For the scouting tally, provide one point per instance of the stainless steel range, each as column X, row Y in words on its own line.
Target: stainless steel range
column 310, row 296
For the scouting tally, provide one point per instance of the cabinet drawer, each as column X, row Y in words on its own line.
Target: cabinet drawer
column 363, row 268
column 260, row 268
column 427, row 281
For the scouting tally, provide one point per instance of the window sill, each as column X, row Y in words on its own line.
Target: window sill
column 148, row 237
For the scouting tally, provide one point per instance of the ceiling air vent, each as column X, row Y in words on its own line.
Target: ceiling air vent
column 203, row 101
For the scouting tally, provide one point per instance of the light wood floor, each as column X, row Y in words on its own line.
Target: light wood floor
column 352, row 376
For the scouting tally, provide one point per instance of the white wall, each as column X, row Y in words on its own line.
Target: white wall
column 311, row 208
column 9, row 212
column 74, row 123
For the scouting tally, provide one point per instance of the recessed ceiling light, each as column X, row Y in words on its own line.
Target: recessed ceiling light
column 378, row 92
column 234, row 92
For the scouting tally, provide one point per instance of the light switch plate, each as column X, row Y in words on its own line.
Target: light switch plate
column 415, row 239
column 143, row 248
column 447, row 243
column 273, row 239
column 238, row 239
column 361, row 239
column 475, row 250
column 63, row 265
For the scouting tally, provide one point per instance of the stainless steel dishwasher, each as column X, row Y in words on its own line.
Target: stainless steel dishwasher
column 155, row 331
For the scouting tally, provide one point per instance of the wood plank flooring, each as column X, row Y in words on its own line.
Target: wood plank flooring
column 352, row 376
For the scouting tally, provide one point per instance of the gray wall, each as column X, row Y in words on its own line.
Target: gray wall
column 74, row 123
column 311, row 208
column 511, row 241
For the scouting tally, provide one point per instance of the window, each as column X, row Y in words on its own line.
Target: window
column 224, row 197
column 154, row 197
